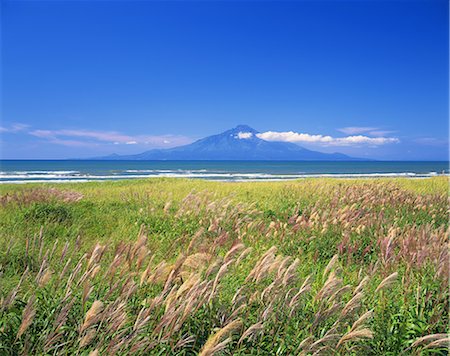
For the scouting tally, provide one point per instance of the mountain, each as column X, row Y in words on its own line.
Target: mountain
column 240, row 143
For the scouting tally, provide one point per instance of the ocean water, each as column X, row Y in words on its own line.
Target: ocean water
column 22, row 171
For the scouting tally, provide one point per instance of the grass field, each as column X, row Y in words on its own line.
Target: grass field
column 169, row 266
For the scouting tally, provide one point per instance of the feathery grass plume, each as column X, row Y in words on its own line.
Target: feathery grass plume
column 57, row 324
column 45, row 278
column 184, row 341
column 237, row 297
column 233, row 251
column 251, row 332
column 27, row 317
column 42, row 269
column 9, row 300
column 116, row 317
column 333, row 329
column 324, row 314
column 114, row 265
column 387, row 247
column 322, row 351
column 267, row 290
column 93, row 272
column 444, row 342
column 276, row 263
column 53, row 249
column 129, row 288
column 214, row 267
column 63, row 272
column 387, row 282
column 196, row 261
column 287, row 295
column 305, row 287
column 267, row 312
column 143, row 346
column 190, row 307
column 223, row 269
column 74, row 273
column 271, row 251
column 236, row 312
column 86, row 275
column 330, row 265
column 282, row 267
column 355, row 335
column 352, row 304
column 92, row 315
column 142, row 319
column 94, row 353
column 195, row 240
column 210, row 347
column 167, row 206
column 290, row 273
column 88, row 337
column 168, row 282
column 140, row 243
column 262, row 266
column 145, row 274
column 96, row 254
column 64, row 251
column 361, row 285
column 171, row 299
column 304, row 345
column 87, row 290
column 191, row 282
column 161, row 271
column 324, row 340
column 142, row 254
column 340, row 292
column 427, row 339
column 361, row 320
column 41, row 241
column 243, row 255
column 220, row 346
column 331, row 285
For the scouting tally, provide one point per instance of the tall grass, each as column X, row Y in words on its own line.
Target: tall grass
column 187, row 267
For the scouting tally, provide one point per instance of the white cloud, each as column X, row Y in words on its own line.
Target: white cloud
column 381, row 133
column 371, row 131
column 295, row 137
column 244, row 135
column 106, row 136
column 109, row 137
column 353, row 130
column 14, row 128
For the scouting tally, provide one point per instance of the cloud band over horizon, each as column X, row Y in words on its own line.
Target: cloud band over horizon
column 90, row 137
column 89, row 142
column 295, row 137
column 83, row 137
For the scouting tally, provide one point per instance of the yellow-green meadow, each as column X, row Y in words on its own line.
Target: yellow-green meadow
column 183, row 267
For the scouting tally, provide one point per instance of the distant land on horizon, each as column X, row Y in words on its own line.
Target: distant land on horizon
column 240, row 143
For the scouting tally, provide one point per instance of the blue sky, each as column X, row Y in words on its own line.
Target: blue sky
column 87, row 78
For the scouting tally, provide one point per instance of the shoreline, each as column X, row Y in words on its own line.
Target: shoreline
column 374, row 176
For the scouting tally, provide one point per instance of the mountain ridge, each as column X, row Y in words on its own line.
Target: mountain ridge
column 239, row 143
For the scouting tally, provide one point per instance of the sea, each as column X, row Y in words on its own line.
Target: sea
column 28, row 171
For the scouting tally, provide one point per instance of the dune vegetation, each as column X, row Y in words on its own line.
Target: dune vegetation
column 185, row 267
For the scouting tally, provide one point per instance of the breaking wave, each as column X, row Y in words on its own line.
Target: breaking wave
column 78, row 176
